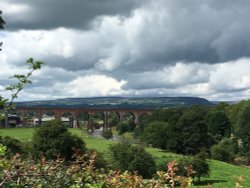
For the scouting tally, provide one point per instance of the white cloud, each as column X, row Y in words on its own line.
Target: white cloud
column 231, row 76
column 92, row 85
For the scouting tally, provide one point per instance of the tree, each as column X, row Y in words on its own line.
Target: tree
column 125, row 126
column 22, row 80
column 192, row 132
column 218, row 124
column 200, row 165
column 243, row 128
column 167, row 115
column 225, row 150
column 233, row 113
column 156, row 134
column 1, row 26
column 2, row 101
column 125, row 156
column 15, row 89
column 53, row 139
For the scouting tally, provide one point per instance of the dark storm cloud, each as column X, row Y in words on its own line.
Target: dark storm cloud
column 68, row 13
column 203, row 31
column 150, row 34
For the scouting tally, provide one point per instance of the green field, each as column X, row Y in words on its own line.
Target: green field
column 221, row 174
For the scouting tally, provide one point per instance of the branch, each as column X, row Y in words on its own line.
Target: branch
column 23, row 80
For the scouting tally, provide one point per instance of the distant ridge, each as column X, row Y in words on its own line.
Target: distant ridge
column 119, row 102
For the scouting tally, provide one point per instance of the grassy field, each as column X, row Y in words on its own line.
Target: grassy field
column 221, row 174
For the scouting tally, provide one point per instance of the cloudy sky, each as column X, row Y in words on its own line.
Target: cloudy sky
column 128, row 47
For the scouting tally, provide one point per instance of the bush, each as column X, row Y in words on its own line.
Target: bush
column 108, row 134
column 53, row 139
column 199, row 165
column 125, row 156
column 14, row 146
column 99, row 162
column 19, row 172
column 125, row 126
column 97, row 125
column 225, row 150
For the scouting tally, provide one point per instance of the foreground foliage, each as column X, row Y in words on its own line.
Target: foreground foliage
column 19, row 172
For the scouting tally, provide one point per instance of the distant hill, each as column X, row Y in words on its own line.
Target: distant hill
column 119, row 102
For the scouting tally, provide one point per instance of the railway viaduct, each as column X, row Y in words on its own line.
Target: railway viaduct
column 58, row 113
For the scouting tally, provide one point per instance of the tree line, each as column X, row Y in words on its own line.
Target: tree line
column 222, row 131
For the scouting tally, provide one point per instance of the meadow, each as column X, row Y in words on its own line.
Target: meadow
column 221, row 174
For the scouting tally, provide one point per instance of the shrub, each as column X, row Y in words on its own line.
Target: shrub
column 14, row 146
column 99, row 162
column 125, row 156
column 108, row 134
column 53, row 139
column 199, row 165
column 224, row 151
column 81, row 172
column 125, row 126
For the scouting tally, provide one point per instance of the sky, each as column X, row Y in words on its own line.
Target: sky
column 130, row 48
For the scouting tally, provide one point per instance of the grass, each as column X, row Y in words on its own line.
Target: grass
column 22, row 134
column 25, row 135
column 221, row 174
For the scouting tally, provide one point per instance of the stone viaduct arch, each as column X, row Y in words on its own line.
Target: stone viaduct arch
column 58, row 112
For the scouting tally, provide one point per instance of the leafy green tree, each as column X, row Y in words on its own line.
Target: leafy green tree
column 233, row 113
column 22, row 80
column 125, row 156
column 166, row 115
column 125, row 126
column 1, row 26
column 156, row 134
column 144, row 119
column 113, row 120
column 225, row 150
column 16, row 88
column 2, row 101
column 53, row 139
column 192, row 134
column 243, row 128
column 170, row 116
column 218, row 124
column 222, row 106
column 200, row 165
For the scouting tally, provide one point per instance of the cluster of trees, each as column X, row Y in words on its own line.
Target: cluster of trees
column 223, row 131
column 53, row 141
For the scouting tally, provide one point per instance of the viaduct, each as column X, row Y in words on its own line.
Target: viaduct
column 59, row 112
